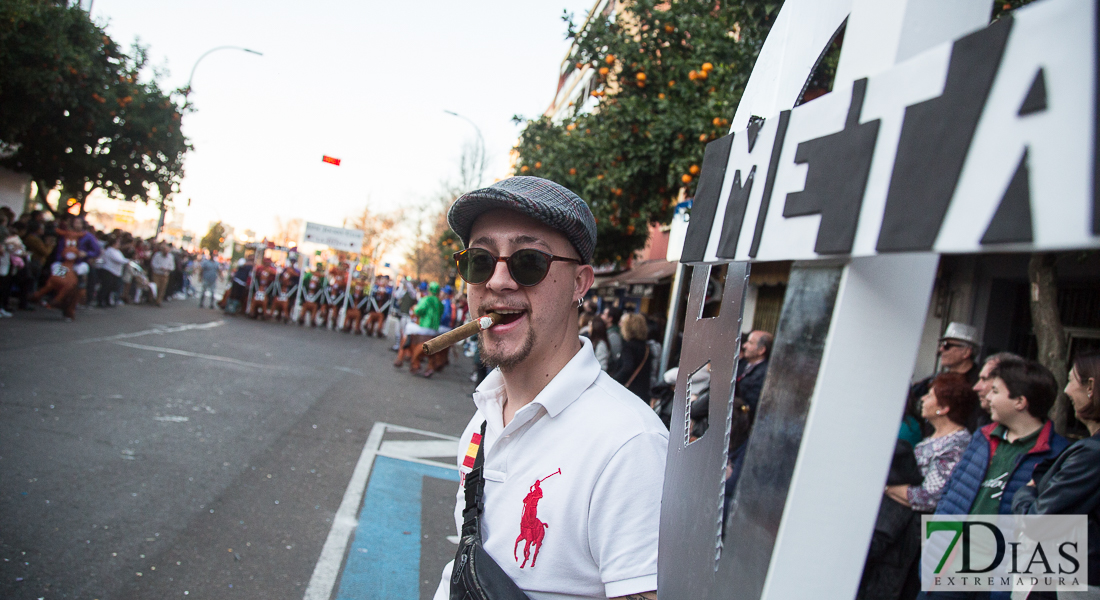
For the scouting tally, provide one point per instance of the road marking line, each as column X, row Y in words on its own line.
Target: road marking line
column 325, row 573
column 155, row 331
column 197, row 355
column 332, row 554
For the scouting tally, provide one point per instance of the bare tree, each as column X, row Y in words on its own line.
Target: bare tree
column 287, row 230
column 381, row 230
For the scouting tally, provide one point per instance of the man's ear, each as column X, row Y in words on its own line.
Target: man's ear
column 583, row 280
column 1021, row 403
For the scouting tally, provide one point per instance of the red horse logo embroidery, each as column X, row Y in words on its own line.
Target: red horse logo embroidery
column 531, row 529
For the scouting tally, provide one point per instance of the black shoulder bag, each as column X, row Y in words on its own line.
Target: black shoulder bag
column 475, row 575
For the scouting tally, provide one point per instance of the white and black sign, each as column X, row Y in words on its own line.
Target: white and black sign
column 348, row 240
column 988, row 143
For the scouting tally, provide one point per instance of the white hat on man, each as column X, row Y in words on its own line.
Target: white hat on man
column 961, row 332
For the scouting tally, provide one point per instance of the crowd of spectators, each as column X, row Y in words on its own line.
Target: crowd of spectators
column 977, row 441
column 66, row 264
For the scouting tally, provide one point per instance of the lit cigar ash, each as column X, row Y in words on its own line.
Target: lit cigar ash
column 458, row 334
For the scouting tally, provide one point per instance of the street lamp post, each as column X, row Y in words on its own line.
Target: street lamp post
column 186, row 93
column 479, row 162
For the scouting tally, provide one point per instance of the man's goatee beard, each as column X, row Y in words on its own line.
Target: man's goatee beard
column 505, row 363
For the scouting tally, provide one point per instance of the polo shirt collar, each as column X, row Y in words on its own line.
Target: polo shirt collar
column 577, row 376
column 1001, row 432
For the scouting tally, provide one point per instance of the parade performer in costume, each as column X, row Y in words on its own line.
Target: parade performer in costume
column 63, row 282
column 428, row 312
column 358, row 302
column 286, row 290
column 380, row 302
column 334, row 296
column 313, row 295
column 263, row 286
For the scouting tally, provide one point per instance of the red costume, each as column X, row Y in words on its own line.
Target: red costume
column 63, row 282
column 356, row 305
column 313, row 297
column 334, row 296
column 286, row 291
column 263, row 280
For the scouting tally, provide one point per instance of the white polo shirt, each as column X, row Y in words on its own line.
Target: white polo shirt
column 598, row 453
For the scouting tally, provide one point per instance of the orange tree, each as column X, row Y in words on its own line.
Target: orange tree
column 668, row 80
column 78, row 113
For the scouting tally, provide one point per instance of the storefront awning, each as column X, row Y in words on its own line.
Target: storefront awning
column 650, row 272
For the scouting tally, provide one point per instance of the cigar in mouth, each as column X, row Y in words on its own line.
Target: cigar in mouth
column 462, row 332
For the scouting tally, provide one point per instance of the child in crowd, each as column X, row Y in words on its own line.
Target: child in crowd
column 1002, row 455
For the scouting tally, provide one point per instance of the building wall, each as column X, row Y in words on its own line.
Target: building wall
column 15, row 188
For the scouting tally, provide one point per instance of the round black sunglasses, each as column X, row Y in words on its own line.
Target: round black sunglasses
column 527, row 267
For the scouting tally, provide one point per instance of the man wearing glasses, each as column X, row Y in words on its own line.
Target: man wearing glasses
column 573, row 462
column 958, row 348
column 957, row 351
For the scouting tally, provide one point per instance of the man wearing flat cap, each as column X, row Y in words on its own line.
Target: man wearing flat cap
column 573, row 462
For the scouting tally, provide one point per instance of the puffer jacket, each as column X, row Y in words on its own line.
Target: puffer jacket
column 966, row 479
column 1070, row 487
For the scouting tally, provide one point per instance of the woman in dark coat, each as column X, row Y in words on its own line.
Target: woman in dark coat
column 634, row 364
column 1072, row 484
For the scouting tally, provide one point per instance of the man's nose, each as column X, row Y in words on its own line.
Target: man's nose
column 501, row 278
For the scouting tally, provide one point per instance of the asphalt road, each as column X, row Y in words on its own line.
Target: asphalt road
column 168, row 452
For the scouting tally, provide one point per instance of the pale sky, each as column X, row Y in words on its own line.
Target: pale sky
column 366, row 82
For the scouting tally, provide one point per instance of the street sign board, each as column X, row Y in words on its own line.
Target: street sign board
column 348, row 240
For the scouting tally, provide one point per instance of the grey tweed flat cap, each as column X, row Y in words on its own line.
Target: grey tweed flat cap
column 538, row 198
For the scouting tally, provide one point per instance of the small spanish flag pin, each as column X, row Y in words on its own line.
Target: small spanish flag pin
column 471, row 451
column 471, row 455
column 330, row 160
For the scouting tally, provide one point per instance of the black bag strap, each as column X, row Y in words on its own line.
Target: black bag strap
column 475, row 489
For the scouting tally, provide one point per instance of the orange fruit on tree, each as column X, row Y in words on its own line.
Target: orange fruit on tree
column 523, row 169
column 671, row 83
column 669, row 29
column 692, row 75
column 703, row 137
column 571, row 126
column 604, row 70
column 630, row 230
column 660, row 96
column 707, row 66
column 694, row 169
column 572, row 171
column 717, row 121
column 538, row 165
column 610, row 59
column 640, row 77
column 701, row 74
column 686, row 178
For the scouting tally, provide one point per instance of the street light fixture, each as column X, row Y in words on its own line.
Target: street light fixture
column 192, row 76
column 479, row 163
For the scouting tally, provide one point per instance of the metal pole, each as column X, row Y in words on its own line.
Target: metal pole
column 295, row 312
column 481, row 146
column 671, row 326
column 347, row 296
